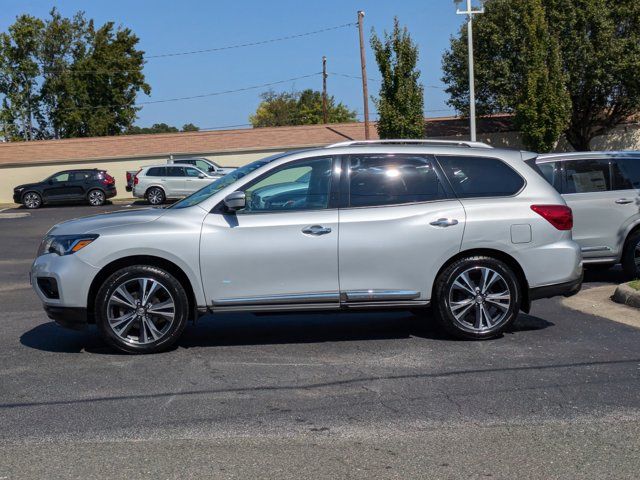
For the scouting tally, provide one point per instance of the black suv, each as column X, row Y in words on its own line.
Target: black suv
column 92, row 185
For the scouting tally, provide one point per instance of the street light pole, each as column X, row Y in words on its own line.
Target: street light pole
column 472, row 90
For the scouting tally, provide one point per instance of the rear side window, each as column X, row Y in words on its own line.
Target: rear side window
column 379, row 179
column 626, row 173
column 156, row 172
column 175, row 171
column 587, row 176
column 473, row 177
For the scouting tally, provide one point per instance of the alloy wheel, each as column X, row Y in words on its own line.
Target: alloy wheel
column 96, row 198
column 141, row 310
column 479, row 300
column 154, row 196
column 32, row 200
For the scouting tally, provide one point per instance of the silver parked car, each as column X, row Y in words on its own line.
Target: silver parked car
column 156, row 183
column 602, row 190
column 472, row 231
column 204, row 164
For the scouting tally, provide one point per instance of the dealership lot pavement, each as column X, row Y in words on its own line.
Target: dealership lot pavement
column 314, row 395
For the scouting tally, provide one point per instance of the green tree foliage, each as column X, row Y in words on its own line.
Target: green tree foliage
column 161, row 128
column 298, row 108
column 190, row 127
column 63, row 77
column 400, row 106
column 598, row 51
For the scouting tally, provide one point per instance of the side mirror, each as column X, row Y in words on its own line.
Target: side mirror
column 201, row 175
column 235, row 201
column 50, row 182
column 211, row 169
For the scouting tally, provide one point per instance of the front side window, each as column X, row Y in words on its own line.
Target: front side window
column 175, row 171
column 61, row 177
column 204, row 166
column 473, row 177
column 551, row 173
column 303, row 185
column 192, row 172
column 382, row 179
column 587, row 176
column 626, row 174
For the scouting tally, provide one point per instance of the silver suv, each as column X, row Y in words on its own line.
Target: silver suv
column 156, row 183
column 602, row 190
column 472, row 231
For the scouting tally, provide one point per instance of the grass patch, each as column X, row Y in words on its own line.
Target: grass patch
column 635, row 284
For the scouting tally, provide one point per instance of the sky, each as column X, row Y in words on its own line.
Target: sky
column 166, row 26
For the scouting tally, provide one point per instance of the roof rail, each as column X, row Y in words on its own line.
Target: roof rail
column 435, row 143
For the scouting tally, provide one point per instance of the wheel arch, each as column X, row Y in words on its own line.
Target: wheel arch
column 91, row 189
column 499, row 255
column 153, row 185
column 31, row 190
column 150, row 260
column 625, row 246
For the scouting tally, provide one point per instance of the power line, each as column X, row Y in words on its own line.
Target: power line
column 375, row 79
column 251, row 44
column 192, row 97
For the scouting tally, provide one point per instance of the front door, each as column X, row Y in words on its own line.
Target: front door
column 398, row 224
column 193, row 182
column 57, row 187
column 282, row 248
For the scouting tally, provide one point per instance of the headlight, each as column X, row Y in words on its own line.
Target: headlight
column 18, row 190
column 65, row 244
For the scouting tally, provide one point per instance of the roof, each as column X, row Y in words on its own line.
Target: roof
column 221, row 141
column 590, row 154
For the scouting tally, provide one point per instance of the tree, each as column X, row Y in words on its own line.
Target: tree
column 190, row 127
column 161, row 128
column 64, row 78
column 400, row 106
column 598, row 51
column 298, row 108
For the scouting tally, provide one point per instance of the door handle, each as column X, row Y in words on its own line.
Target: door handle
column 624, row 201
column 316, row 230
column 444, row 222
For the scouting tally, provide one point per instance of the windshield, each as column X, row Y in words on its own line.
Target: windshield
column 214, row 187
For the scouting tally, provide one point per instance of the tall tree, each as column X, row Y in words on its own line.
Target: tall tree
column 401, row 102
column 74, row 79
column 599, row 55
column 298, row 108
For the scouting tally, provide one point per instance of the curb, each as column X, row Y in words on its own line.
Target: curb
column 627, row 296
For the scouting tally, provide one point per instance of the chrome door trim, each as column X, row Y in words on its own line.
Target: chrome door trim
column 298, row 298
column 595, row 249
column 379, row 295
column 390, row 304
column 275, row 307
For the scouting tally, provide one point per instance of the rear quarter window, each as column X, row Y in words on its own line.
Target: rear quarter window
column 156, row 172
column 473, row 177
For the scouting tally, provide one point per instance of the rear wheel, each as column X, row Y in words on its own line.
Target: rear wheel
column 155, row 196
column 477, row 297
column 141, row 309
column 631, row 256
column 96, row 198
column 32, row 200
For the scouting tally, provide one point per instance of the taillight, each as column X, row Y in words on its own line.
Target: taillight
column 128, row 177
column 135, row 179
column 106, row 179
column 560, row 216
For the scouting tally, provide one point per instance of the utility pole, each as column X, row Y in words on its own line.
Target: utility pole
column 363, row 64
column 325, row 117
column 472, row 89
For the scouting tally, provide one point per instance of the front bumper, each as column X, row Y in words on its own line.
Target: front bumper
column 565, row 289
column 17, row 197
column 67, row 317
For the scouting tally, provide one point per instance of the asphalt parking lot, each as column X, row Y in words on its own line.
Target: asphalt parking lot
column 335, row 395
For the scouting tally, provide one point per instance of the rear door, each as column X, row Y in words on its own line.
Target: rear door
column 78, row 184
column 598, row 216
column 175, row 183
column 398, row 222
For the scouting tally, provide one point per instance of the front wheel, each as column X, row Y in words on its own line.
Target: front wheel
column 141, row 309
column 32, row 200
column 477, row 297
column 631, row 256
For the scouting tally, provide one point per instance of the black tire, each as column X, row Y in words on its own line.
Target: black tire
column 106, row 305
column 448, row 296
column 155, row 196
column 32, row 200
column 631, row 253
column 96, row 197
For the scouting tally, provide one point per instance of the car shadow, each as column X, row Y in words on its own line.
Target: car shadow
column 236, row 329
column 595, row 274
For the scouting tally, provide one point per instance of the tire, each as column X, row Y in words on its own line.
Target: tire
column 631, row 256
column 32, row 200
column 155, row 196
column 96, row 197
column 128, row 322
column 482, row 315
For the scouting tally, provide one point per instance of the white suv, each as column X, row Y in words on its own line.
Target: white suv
column 156, row 183
column 472, row 231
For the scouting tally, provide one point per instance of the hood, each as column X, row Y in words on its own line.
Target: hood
column 94, row 223
column 26, row 185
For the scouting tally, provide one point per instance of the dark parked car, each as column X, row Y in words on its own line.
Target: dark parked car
column 91, row 185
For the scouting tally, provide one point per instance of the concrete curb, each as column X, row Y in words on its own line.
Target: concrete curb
column 627, row 295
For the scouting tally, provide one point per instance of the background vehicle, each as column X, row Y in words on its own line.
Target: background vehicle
column 602, row 190
column 156, row 183
column 208, row 166
column 92, row 185
column 474, row 232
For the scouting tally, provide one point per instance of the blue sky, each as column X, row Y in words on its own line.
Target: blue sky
column 168, row 26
